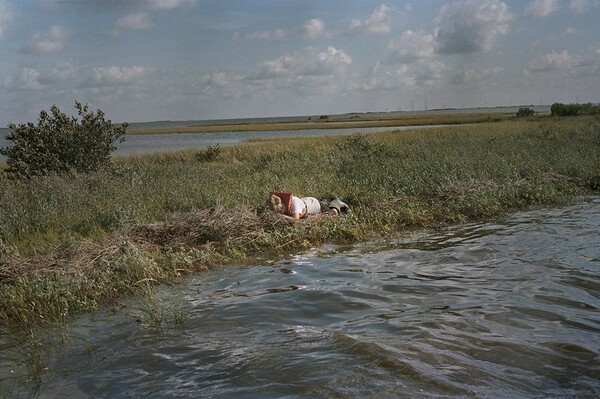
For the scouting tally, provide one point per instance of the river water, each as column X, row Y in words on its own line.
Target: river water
column 503, row 309
column 167, row 142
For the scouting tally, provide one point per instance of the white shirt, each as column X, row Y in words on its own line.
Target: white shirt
column 311, row 204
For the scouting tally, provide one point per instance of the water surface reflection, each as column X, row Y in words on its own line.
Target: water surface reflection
column 505, row 309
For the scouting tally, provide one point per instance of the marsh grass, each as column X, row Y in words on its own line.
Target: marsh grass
column 358, row 121
column 77, row 243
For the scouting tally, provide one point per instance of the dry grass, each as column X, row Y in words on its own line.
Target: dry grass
column 218, row 225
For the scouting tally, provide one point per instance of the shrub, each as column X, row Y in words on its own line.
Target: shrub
column 60, row 143
column 559, row 109
column 210, row 154
column 525, row 111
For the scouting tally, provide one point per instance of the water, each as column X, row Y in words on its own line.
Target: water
column 504, row 309
column 151, row 143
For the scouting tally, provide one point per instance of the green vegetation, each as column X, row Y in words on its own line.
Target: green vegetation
column 76, row 242
column 524, row 112
column 326, row 122
column 559, row 109
column 61, row 144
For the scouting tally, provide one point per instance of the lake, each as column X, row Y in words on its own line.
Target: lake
column 160, row 142
column 508, row 308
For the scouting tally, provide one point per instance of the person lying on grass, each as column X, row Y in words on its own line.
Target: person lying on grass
column 294, row 208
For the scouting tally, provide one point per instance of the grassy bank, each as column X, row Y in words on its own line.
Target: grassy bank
column 358, row 121
column 73, row 244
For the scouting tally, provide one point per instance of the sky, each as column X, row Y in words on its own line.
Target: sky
column 150, row 60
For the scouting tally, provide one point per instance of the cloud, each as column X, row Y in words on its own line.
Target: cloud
column 168, row 4
column 470, row 26
column 377, row 23
column 581, row 6
column 124, row 6
column 411, row 45
column 26, row 79
column 137, row 21
column 564, row 65
column 551, row 62
column 423, row 74
column 542, row 8
column 228, row 84
column 48, row 42
column 311, row 29
column 7, row 16
column 117, row 76
column 62, row 74
column 308, row 63
column 470, row 75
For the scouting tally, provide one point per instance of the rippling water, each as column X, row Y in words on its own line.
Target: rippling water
column 508, row 309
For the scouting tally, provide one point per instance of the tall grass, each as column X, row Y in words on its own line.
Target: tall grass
column 71, row 244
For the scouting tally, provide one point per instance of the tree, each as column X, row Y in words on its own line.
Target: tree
column 525, row 111
column 60, row 143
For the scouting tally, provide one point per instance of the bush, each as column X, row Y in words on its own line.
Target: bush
column 210, row 154
column 60, row 143
column 525, row 111
column 559, row 109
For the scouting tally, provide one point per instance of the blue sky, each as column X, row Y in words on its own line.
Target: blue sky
column 146, row 60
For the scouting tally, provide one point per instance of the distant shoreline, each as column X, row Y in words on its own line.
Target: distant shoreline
column 349, row 115
column 285, row 122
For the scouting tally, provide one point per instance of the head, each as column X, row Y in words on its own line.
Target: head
column 275, row 204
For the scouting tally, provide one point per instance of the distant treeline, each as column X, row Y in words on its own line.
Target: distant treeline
column 559, row 109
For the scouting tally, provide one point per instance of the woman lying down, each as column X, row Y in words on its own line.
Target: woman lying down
column 293, row 208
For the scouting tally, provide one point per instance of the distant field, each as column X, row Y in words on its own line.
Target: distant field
column 391, row 119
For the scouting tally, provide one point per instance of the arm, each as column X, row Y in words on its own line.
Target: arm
column 294, row 218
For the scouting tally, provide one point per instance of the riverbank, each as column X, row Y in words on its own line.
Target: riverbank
column 75, row 244
column 325, row 122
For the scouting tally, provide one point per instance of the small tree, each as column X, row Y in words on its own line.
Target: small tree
column 525, row 111
column 60, row 143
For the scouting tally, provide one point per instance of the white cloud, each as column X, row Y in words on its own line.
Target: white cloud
column 227, row 84
column 62, row 72
column 551, row 62
column 470, row 75
column 563, row 64
column 125, row 6
column 48, row 42
column 312, row 29
column 470, row 26
column 308, row 63
column 419, row 75
column 26, row 79
column 137, row 21
column 59, row 77
column 569, row 32
column 168, row 4
column 377, row 23
column 581, row 6
column 411, row 45
column 118, row 76
column 7, row 16
column 542, row 8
